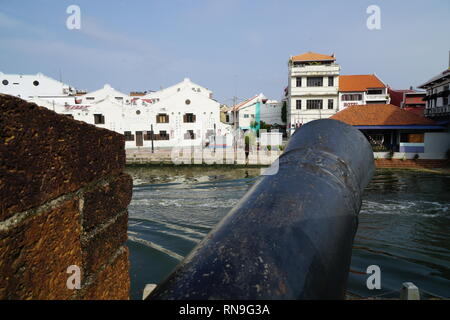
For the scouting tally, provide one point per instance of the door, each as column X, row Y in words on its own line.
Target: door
column 139, row 139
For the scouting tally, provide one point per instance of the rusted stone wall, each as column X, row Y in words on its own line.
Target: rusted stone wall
column 63, row 202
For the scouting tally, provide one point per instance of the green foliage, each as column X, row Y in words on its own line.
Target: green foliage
column 284, row 112
column 379, row 148
column 390, row 154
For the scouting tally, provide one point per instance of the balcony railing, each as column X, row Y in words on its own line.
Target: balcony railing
column 377, row 97
column 326, row 69
column 435, row 111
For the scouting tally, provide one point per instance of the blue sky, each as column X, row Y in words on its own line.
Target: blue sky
column 231, row 47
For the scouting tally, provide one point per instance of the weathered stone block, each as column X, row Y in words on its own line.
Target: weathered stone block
column 44, row 155
column 35, row 254
column 99, row 248
column 105, row 202
column 112, row 283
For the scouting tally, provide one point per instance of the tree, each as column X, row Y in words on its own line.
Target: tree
column 284, row 112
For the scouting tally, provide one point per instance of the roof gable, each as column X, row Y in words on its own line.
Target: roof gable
column 380, row 115
column 352, row 83
column 312, row 56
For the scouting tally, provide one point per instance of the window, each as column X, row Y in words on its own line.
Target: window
column 374, row 91
column 99, row 119
column 128, row 136
column 5, row 82
column 314, row 104
column 148, row 135
column 187, row 101
column 138, row 112
column 330, row 103
column 351, row 97
column 298, row 104
column 189, row 135
column 412, row 137
column 299, row 81
column 315, row 82
column 246, row 115
column 331, row 81
column 118, row 98
column 163, row 135
column 35, row 83
column 162, row 118
column 189, row 118
column 90, row 98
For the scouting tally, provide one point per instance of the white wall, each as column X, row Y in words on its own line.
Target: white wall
column 27, row 86
column 436, row 145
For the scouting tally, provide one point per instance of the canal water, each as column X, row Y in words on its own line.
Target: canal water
column 404, row 224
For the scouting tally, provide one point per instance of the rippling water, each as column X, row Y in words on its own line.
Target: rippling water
column 403, row 228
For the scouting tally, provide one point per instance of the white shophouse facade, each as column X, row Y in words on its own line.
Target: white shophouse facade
column 182, row 115
column 313, row 86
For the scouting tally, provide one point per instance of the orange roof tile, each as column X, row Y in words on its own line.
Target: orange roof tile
column 312, row 56
column 361, row 82
column 380, row 115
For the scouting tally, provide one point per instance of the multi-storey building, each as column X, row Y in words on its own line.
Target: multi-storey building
column 437, row 98
column 361, row 89
column 247, row 114
column 409, row 99
column 312, row 88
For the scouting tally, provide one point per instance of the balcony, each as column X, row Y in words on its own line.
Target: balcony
column 437, row 111
column 314, row 91
column 332, row 69
column 377, row 97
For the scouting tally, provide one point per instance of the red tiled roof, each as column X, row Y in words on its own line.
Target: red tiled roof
column 380, row 115
column 414, row 100
column 360, row 82
column 312, row 56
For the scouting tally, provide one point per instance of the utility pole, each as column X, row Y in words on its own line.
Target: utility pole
column 152, row 138
column 214, row 137
column 234, row 124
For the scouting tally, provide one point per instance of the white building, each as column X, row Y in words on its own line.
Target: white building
column 271, row 112
column 438, row 107
column 186, row 84
column 244, row 114
column 181, row 115
column 103, row 93
column 313, row 86
column 35, row 85
column 361, row 89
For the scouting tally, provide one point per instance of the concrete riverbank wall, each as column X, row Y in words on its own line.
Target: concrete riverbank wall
column 63, row 207
column 256, row 157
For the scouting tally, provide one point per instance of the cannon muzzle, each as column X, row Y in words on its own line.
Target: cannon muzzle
column 291, row 235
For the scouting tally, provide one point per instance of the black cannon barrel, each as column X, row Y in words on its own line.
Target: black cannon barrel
column 291, row 235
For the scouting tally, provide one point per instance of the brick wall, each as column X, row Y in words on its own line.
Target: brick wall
column 63, row 202
column 419, row 163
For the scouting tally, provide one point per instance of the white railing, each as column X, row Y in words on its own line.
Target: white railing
column 377, row 97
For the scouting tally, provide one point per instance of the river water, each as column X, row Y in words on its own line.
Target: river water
column 404, row 224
